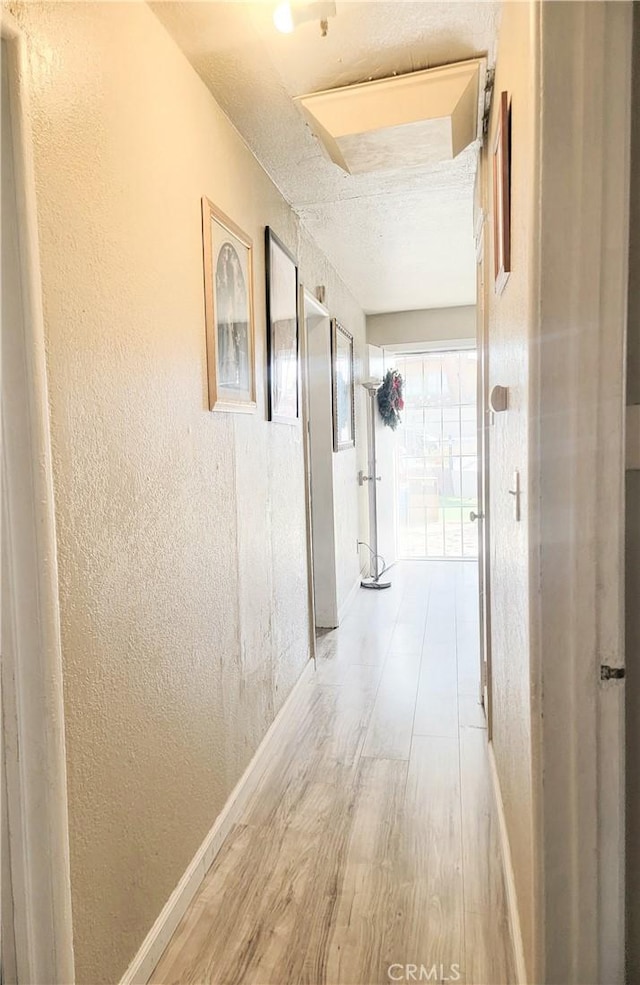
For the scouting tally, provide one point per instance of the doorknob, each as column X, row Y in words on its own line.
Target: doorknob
column 476, row 516
column 362, row 478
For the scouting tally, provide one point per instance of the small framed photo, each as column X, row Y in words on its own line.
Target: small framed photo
column 228, row 281
column 342, row 388
column 282, row 330
column 502, row 195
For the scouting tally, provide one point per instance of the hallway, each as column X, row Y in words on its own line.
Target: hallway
column 372, row 840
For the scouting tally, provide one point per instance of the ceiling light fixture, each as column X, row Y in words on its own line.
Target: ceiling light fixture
column 283, row 18
column 287, row 16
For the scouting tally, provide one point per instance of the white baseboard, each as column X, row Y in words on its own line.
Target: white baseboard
column 150, row 952
column 509, row 879
column 344, row 608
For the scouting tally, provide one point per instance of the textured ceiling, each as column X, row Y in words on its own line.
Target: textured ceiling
column 400, row 240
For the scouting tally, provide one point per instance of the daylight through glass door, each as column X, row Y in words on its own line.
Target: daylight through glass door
column 437, row 455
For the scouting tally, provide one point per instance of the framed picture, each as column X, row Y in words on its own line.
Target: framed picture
column 282, row 330
column 502, row 195
column 342, row 391
column 228, row 282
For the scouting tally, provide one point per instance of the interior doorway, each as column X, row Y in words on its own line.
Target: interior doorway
column 35, row 911
column 437, row 494
column 317, row 408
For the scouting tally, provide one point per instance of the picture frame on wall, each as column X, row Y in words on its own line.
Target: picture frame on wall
column 342, row 388
column 282, row 330
column 229, row 312
column 502, row 195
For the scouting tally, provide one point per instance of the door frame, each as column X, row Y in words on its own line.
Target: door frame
column 32, row 694
column 484, row 437
column 310, row 307
column 306, row 300
column 323, row 574
column 575, row 492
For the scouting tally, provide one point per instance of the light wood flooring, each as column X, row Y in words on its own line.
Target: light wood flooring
column 372, row 840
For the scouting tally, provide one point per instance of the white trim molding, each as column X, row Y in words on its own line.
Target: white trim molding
column 33, row 721
column 154, row 944
column 447, row 345
column 576, row 495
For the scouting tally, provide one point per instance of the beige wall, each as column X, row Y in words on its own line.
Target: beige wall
column 181, row 533
column 428, row 325
column 510, row 320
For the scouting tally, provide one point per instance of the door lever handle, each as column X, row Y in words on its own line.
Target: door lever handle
column 476, row 516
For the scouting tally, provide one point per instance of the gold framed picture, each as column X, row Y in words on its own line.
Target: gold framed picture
column 229, row 316
column 342, row 388
column 502, row 196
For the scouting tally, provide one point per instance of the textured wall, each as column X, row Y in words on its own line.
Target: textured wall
column 509, row 325
column 181, row 533
column 427, row 325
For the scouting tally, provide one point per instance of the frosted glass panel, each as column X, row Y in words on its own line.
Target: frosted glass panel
column 436, row 448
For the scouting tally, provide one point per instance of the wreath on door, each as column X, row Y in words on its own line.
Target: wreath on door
column 390, row 401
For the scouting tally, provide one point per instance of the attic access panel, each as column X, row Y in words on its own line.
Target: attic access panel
column 420, row 118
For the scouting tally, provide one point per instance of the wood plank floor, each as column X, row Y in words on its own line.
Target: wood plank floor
column 372, row 840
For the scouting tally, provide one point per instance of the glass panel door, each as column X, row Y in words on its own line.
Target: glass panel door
column 437, row 459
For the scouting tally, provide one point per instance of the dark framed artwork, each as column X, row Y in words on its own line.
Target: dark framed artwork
column 282, row 330
column 229, row 319
column 502, row 195
column 342, row 388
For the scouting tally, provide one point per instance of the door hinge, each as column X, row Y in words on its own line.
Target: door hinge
column 611, row 673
